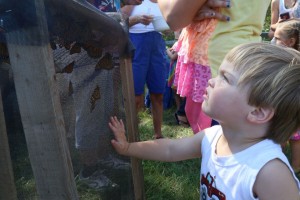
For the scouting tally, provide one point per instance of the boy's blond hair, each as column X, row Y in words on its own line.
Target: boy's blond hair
column 272, row 74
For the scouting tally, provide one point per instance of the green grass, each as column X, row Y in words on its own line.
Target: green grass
column 163, row 180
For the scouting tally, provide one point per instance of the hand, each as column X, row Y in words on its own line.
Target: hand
column 120, row 142
column 145, row 19
column 208, row 11
column 172, row 50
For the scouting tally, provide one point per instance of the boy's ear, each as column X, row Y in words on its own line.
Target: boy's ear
column 292, row 42
column 260, row 115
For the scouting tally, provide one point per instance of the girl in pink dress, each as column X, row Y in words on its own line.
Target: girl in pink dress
column 192, row 70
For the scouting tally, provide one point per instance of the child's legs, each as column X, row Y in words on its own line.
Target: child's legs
column 181, row 109
column 177, row 99
column 196, row 117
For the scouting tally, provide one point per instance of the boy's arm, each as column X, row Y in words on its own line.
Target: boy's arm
column 275, row 181
column 162, row 149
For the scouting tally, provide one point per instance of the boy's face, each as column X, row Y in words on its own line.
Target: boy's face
column 224, row 101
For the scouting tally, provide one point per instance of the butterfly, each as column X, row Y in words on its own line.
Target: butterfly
column 69, row 68
column 76, row 48
column 106, row 62
column 95, row 96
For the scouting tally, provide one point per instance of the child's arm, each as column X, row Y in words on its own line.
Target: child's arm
column 275, row 181
column 170, row 150
column 172, row 54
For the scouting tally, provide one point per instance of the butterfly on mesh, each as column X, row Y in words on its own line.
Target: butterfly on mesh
column 106, row 62
column 69, row 68
column 95, row 96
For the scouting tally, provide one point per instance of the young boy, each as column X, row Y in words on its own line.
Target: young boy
column 256, row 100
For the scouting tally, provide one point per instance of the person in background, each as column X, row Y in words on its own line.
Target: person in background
column 287, row 35
column 149, row 63
column 179, row 101
column 296, row 10
column 203, row 44
column 280, row 10
column 251, row 99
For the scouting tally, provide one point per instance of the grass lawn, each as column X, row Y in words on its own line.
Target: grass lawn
column 168, row 181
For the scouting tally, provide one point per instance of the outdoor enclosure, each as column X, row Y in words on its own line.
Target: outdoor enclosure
column 49, row 44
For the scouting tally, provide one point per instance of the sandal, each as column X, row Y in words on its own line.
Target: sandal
column 181, row 122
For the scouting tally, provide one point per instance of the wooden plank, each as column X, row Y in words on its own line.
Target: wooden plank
column 132, row 125
column 7, row 184
column 33, row 68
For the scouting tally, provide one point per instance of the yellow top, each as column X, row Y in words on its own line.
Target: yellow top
column 245, row 25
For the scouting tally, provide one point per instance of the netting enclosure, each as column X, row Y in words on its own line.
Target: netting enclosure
column 71, row 70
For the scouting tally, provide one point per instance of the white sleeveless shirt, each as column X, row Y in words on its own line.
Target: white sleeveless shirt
column 283, row 9
column 232, row 177
column 146, row 8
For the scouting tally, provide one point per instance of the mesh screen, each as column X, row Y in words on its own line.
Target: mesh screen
column 90, row 91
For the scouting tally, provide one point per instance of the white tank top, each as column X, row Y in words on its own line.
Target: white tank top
column 148, row 8
column 232, row 177
column 282, row 8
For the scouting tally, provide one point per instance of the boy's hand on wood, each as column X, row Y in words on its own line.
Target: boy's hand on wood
column 120, row 142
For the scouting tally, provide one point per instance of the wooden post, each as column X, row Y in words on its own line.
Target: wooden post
column 132, row 125
column 7, row 184
column 33, row 69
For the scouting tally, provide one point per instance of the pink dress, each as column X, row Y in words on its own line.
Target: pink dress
column 193, row 71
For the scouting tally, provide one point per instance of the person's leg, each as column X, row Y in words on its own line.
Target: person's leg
column 156, row 80
column 140, row 67
column 139, row 103
column 295, row 154
column 157, row 113
column 180, row 115
column 181, row 109
column 196, row 117
column 177, row 99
